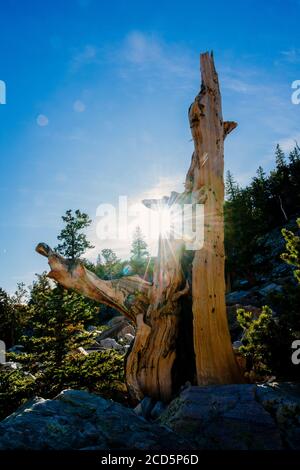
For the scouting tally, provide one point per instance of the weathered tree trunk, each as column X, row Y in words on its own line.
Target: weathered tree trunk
column 215, row 360
column 150, row 363
column 171, row 345
column 154, row 310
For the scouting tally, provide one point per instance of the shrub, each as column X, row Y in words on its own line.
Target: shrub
column 15, row 389
column 267, row 344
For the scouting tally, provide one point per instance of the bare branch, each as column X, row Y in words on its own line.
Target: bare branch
column 128, row 295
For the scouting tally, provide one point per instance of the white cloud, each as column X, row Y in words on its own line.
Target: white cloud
column 240, row 86
column 291, row 55
column 243, row 178
column 288, row 143
column 140, row 49
column 87, row 55
column 164, row 186
column 242, row 79
column 148, row 53
column 78, row 106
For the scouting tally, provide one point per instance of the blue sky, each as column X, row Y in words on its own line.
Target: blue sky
column 97, row 99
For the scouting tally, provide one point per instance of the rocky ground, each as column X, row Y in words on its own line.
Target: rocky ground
column 239, row 417
column 271, row 272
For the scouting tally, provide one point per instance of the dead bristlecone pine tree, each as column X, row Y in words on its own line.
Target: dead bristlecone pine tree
column 180, row 319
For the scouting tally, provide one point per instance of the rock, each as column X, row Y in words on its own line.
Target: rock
column 118, row 327
column 158, row 409
column 129, row 337
column 110, row 343
column 144, row 408
column 82, row 351
column 127, row 330
column 237, row 344
column 269, row 288
column 243, row 297
column 138, row 410
column 120, row 320
column 91, row 328
column 240, row 283
column 269, row 272
column 150, row 409
column 222, row 417
column 80, row 420
column 147, row 404
column 93, row 347
column 282, row 400
column 17, row 349
column 10, row 365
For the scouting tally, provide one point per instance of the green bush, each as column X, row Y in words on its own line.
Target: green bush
column 257, row 340
column 99, row 372
column 15, row 388
column 266, row 344
column 293, row 250
column 267, row 340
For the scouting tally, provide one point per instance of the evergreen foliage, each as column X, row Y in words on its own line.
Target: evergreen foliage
column 139, row 253
column 293, row 250
column 74, row 243
column 264, row 204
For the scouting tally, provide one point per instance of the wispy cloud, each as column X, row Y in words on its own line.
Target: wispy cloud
column 143, row 53
column 149, row 54
column 291, row 55
column 242, row 79
column 89, row 54
column 164, row 186
column 148, row 50
column 240, row 86
column 287, row 144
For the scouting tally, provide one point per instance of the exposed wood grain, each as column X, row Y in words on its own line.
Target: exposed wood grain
column 215, row 360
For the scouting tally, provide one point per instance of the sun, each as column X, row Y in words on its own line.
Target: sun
column 164, row 222
column 156, row 223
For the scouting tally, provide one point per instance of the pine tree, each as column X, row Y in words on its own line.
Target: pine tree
column 58, row 318
column 294, row 155
column 74, row 243
column 111, row 263
column 13, row 315
column 260, row 196
column 7, row 319
column 280, row 158
column 261, row 175
column 139, row 253
column 232, row 187
column 52, row 362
